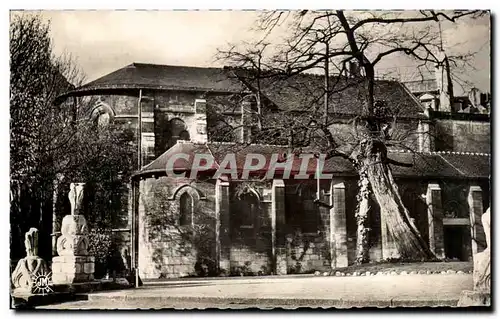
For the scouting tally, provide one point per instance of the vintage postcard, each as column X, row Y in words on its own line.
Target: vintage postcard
column 250, row 159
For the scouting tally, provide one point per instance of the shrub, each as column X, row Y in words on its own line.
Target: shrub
column 100, row 243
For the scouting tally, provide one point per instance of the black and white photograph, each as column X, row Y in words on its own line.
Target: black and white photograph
column 249, row 159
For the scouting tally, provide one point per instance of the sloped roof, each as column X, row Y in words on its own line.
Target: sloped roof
column 425, row 165
column 165, row 77
column 159, row 165
column 296, row 93
column 472, row 164
column 219, row 150
column 302, row 92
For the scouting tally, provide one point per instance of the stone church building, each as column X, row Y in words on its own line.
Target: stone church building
column 177, row 226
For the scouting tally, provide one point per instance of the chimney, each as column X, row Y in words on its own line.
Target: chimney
column 444, row 83
column 200, row 135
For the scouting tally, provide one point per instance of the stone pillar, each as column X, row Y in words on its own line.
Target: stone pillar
column 278, row 227
column 73, row 264
column 475, row 201
column 338, row 230
column 435, row 217
column 222, row 228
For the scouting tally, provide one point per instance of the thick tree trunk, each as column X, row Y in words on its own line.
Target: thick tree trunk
column 371, row 159
column 363, row 230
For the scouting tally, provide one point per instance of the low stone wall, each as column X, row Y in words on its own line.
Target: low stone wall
column 167, row 261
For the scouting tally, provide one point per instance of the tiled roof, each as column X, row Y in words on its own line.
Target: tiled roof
column 296, row 93
column 166, row 77
column 159, row 165
column 425, row 165
column 304, row 91
column 469, row 165
column 430, row 165
column 333, row 165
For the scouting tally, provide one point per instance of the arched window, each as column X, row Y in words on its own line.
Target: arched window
column 186, row 210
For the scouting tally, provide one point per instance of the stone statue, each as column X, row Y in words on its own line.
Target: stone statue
column 74, row 239
column 73, row 263
column 102, row 113
column 485, row 219
column 482, row 261
column 30, row 266
column 75, row 197
column 481, row 296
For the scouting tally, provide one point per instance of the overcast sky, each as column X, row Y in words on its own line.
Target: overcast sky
column 104, row 41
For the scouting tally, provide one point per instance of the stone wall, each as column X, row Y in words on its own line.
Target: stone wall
column 462, row 136
column 454, row 198
column 121, row 239
column 251, row 246
column 307, row 232
column 158, row 109
column 164, row 252
column 167, row 248
column 177, row 105
column 122, row 104
column 307, row 253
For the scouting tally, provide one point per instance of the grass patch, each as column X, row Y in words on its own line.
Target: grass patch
column 434, row 267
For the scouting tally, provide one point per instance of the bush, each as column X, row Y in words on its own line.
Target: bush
column 100, row 242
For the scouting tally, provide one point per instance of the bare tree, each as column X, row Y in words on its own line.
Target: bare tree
column 332, row 42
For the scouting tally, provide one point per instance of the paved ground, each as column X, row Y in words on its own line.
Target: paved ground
column 383, row 291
